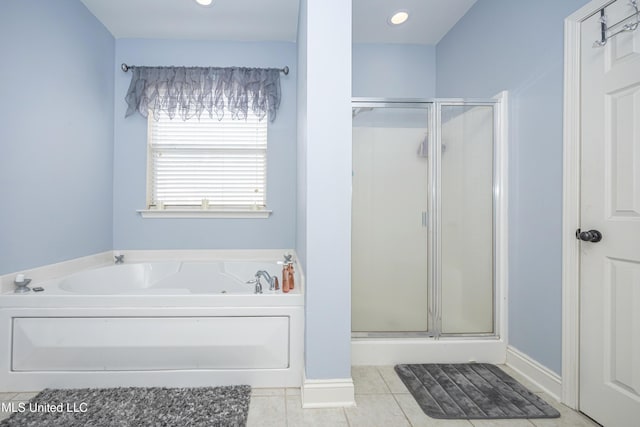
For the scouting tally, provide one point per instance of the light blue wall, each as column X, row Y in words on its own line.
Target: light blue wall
column 133, row 232
column 518, row 46
column 301, row 92
column 56, row 133
column 325, row 231
column 394, row 70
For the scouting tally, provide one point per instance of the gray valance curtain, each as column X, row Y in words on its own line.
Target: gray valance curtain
column 188, row 92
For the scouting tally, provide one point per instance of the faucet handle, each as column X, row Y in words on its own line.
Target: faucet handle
column 21, row 283
column 268, row 277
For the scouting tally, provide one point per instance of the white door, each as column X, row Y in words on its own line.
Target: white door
column 610, row 204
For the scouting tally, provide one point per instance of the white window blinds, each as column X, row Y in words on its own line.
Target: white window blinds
column 207, row 163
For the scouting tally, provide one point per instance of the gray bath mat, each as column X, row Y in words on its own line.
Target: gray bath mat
column 189, row 407
column 471, row 391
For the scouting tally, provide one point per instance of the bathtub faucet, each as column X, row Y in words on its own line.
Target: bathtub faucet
column 270, row 279
column 21, row 283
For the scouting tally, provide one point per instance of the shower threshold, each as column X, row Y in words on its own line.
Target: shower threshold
column 377, row 348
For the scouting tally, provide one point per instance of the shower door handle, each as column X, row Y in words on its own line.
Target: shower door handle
column 424, row 219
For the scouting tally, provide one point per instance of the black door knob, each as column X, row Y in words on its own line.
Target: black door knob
column 589, row 236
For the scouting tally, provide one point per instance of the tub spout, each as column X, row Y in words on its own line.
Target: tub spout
column 269, row 278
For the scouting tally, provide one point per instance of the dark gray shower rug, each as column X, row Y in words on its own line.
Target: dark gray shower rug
column 471, row 391
column 188, row 407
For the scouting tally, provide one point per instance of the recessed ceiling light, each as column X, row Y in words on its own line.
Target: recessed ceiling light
column 204, row 2
column 399, row 17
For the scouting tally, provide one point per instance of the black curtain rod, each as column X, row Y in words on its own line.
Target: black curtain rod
column 124, row 67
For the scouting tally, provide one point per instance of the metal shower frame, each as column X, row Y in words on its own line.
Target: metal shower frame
column 434, row 244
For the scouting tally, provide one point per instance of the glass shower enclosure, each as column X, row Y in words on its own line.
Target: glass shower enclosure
column 423, row 218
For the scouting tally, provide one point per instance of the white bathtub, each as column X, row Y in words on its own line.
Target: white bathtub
column 168, row 323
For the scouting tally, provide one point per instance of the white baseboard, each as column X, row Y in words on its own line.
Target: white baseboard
column 334, row 393
column 373, row 351
column 543, row 377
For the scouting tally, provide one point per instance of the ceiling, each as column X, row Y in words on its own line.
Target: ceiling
column 235, row 20
column 272, row 20
column 429, row 20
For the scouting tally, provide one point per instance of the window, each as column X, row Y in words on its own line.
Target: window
column 207, row 165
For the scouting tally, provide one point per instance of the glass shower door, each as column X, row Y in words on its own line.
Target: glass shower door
column 390, row 291
column 466, row 226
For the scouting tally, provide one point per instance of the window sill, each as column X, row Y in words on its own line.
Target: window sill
column 204, row 213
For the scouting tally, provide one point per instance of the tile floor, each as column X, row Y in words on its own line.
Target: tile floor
column 6, row 399
column 382, row 400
